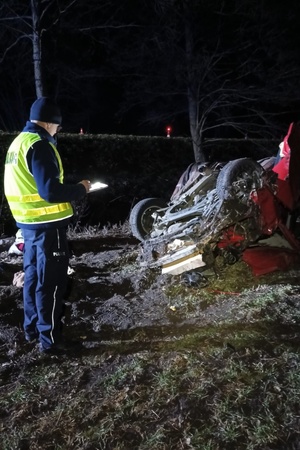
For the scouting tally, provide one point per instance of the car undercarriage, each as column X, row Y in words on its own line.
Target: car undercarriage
column 219, row 209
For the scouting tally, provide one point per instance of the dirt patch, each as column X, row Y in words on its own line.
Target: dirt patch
column 165, row 362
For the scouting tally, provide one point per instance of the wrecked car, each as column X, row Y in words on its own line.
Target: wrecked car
column 242, row 209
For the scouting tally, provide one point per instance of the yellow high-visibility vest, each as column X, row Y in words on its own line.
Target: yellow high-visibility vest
column 20, row 188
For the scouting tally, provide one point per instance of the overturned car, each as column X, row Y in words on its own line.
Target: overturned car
column 243, row 209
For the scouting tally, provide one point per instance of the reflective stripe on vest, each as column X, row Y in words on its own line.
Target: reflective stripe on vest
column 41, row 211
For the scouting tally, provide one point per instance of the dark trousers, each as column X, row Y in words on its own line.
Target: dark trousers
column 45, row 262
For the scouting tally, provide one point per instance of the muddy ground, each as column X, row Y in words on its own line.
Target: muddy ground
column 133, row 319
column 111, row 295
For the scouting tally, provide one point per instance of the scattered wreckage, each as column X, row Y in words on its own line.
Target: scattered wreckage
column 243, row 209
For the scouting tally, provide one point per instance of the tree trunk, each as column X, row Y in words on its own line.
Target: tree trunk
column 194, row 129
column 191, row 88
column 36, row 48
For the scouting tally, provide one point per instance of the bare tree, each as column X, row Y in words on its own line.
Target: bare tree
column 21, row 38
column 36, row 48
column 61, row 49
column 221, row 64
column 219, row 68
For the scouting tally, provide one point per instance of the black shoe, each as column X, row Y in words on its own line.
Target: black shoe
column 31, row 337
column 55, row 350
column 61, row 349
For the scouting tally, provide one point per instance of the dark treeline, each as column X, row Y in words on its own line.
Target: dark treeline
column 217, row 69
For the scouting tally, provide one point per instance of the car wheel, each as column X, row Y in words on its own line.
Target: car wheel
column 238, row 177
column 141, row 219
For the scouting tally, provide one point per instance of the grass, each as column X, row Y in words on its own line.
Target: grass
column 218, row 397
column 92, row 231
column 227, row 380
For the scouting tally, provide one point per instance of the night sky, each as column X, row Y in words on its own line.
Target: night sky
column 135, row 67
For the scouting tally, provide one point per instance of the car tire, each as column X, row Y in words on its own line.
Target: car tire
column 232, row 171
column 141, row 220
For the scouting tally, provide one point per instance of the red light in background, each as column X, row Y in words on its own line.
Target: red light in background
column 168, row 129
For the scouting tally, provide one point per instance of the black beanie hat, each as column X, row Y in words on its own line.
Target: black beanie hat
column 45, row 109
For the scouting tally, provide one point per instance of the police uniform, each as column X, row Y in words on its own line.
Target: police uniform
column 40, row 204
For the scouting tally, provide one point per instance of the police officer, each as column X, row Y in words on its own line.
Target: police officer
column 40, row 203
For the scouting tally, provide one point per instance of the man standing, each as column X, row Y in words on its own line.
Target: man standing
column 39, row 202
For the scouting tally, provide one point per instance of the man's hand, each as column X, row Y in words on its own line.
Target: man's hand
column 86, row 184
